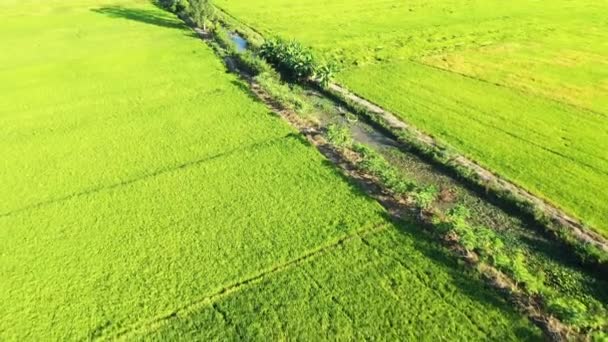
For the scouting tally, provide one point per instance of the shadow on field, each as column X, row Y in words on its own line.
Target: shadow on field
column 460, row 276
column 151, row 17
column 408, row 231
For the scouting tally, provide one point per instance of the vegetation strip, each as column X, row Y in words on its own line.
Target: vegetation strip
column 421, row 201
column 589, row 246
column 544, row 212
column 388, row 51
column 553, row 328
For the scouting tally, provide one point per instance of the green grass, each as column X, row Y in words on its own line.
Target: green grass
column 145, row 192
column 522, row 87
column 381, row 294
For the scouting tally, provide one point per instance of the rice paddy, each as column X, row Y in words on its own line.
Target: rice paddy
column 146, row 194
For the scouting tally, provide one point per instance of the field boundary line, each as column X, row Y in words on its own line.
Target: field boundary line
column 145, row 176
column 419, row 279
column 156, row 322
column 514, row 89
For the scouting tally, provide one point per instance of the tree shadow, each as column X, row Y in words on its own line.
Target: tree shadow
column 459, row 275
column 408, row 231
column 152, row 17
column 244, row 87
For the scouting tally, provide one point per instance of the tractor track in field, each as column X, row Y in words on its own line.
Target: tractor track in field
column 211, row 299
column 511, row 88
column 158, row 172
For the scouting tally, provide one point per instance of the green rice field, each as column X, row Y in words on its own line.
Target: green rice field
column 521, row 87
column 147, row 195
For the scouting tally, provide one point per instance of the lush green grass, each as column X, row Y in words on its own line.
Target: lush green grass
column 139, row 180
column 521, row 87
column 395, row 288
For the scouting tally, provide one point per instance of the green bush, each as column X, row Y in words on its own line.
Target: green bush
column 489, row 246
column 482, row 240
column 574, row 312
column 339, row 135
column 221, row 36
column 424, row 197
column 175, row 6
column 325, row 73
column 519, row 271
column 292, row 59
column 373, row 164
column 169, row 5
column 376, row 165
column 202, row 12
column 599, row 336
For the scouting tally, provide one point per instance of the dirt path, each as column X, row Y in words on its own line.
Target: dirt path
column 486, row 176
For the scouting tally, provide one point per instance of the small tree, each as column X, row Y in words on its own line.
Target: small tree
column 175, row 6
column 202, row 11
column 292, row 59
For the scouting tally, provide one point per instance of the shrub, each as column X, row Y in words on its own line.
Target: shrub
column 572, row 311
column 376, row 165
column 339, row 135
column 175, row 6
column 222, row 37
column 490, row 247
column 521, row 274
column 599, row 336
column 425, row 197
column 293, row 60
column 459, row 214
column 202, row 11
column 168, row 4
column 325, row 73
column 371, row 161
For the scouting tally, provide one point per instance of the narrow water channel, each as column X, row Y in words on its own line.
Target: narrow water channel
column 239, row 42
